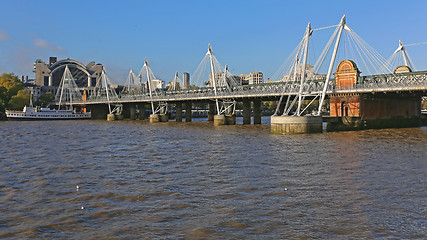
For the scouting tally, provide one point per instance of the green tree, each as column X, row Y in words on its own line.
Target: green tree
column 45, row 99
column 269, row 105
column 3, row 94
column 9, row 87
column 20, row 100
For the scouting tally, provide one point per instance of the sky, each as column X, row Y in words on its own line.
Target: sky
column 174, row 35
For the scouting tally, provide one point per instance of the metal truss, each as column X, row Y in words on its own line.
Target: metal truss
column 402, row 81
column 161, row 108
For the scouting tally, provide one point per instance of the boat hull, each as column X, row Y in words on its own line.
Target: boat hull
column 29, row 114
column 45, row 118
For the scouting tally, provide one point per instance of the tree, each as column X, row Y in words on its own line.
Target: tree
column 3, row 94
column 9, row 87
column 269, row 105
column 20, row 100
column 45, row 99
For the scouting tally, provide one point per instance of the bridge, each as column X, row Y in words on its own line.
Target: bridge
column 404, row 82
column 347, row 91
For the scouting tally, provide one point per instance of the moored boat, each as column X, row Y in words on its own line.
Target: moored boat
column 67, row 91
column 39, row 113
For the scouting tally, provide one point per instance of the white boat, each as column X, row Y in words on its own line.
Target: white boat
column 67, row 91
column 39, row 113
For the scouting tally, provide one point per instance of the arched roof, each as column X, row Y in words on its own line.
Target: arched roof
column 62, row 63
column 347, row 65
column 402, row 69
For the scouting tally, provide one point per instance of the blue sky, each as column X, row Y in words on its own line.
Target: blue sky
column 174, row 35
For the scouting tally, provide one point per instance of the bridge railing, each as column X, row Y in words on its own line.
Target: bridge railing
column 370, row 83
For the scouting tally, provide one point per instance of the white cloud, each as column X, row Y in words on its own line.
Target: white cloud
column 48, row 46
column 4, row 36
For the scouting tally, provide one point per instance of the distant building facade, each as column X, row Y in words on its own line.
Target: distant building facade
column 309, row 74
column 155, row 84
column 252, row 78
column 242, row 79
column 255, row 78
column 185, row 80
column 50, row 74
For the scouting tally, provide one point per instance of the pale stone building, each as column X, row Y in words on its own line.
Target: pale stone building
column 50, row 74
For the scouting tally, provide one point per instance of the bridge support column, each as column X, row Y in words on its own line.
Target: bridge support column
column 188, row 108
column 230, row 119
column 126, row 110
column 178, row 110
column 219, row 120
column 257, row 111
column 111, row 117
column 154, row 118
column 141, row 108
column 132, row 111
column 247, row 112
column 119, row 116
column 211, row 112
column 163, row 118
column 224, row 120
column 295, row 125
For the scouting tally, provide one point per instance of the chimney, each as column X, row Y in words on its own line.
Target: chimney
column 52, row 60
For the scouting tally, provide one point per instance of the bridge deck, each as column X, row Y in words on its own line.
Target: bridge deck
column 412, row 82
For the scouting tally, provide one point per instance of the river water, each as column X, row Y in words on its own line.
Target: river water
column 195, row 181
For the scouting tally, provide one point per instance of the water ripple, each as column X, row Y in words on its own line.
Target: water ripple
column 130, row 179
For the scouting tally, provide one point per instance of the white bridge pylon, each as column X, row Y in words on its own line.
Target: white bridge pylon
column 401, row 53
column 104, row 89
column 68, row 90
column 130, row 85
column 147, row 76
column 177, row 83
column 297, row 75
column 211, row 74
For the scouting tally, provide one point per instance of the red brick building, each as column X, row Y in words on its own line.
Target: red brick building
column 371, row 110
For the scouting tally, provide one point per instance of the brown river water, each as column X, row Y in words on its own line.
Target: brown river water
column 195, row 181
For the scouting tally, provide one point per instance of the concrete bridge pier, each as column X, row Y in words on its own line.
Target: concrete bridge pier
column 163, row 118
column 247, row 112
column 219, row 120
column 296, row 124
column 178, row 110
column 211, row 112
column 257, row 111
column 224, row 120
column 230, row 119
column 111, row 117
column 119, row 116
column 154, row 118
column 188, row 108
